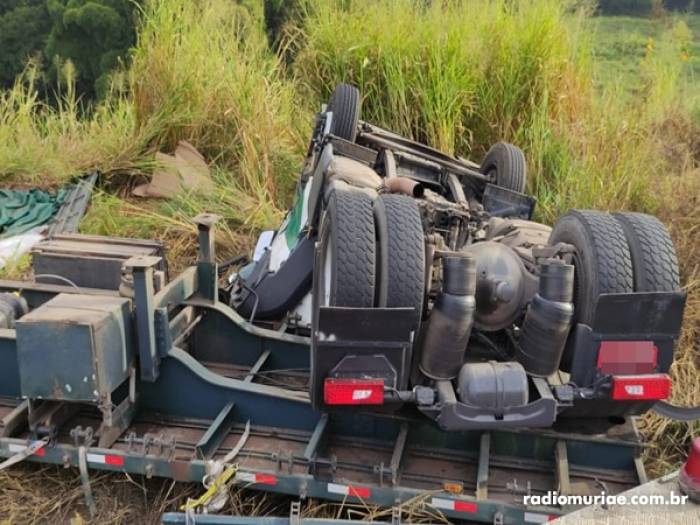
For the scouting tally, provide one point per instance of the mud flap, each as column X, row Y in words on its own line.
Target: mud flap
column 360, row 343
column 648, row 316
column 637, row 317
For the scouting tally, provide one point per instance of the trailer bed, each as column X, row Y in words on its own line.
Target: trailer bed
column 462, row 482
column 204, row 374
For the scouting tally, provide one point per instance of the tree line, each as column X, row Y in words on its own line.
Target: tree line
column 645, row 7
column 96, row 35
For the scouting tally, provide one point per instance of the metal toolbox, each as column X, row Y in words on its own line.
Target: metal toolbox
column 75, row 348
column 89, row 261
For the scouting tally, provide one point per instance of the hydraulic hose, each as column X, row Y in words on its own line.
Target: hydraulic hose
column 675, row 412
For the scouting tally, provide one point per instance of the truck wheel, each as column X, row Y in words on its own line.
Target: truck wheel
column 401, row 254
column 654, row 258
column 345, row 105
column 506, row 163
column 602, row 260
column 347, row 252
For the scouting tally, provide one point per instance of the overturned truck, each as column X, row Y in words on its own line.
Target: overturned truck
column 407, row 333
column 423, row 281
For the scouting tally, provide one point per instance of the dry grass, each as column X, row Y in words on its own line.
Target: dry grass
column 31, row 493
column 201, row 72
column 170, row 222
column 669, row 440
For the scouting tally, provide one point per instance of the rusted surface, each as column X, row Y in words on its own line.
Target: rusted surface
column 405, row 186
column 74, row 348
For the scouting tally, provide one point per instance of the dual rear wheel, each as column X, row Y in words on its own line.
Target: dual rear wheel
column 371, row 252
column 615, row 253
column 504, row 162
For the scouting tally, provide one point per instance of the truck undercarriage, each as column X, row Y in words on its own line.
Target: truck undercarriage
column 408, row 334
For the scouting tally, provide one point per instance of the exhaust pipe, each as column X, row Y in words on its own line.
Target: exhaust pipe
column 451, row 319
column 405, row 186
column 548, row 320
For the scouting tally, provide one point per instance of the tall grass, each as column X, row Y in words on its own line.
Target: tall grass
column 462, row 75
column 47, row 144
column 204, row 73
column 201, row 72
column 449, row 73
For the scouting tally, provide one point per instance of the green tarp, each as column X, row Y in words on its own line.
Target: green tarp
column 22, row 210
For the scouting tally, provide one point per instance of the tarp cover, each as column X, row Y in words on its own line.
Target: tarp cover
column 23, row 210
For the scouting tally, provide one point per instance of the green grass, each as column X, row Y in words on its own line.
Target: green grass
column 620, row 44
column 457, row 75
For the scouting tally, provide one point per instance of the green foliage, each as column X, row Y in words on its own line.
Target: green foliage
column 449, row 73
column 24, row 26
column 463, row 75
column 644, row 7
column 277, row 14
column 16, row 268
column 95, row 35
column 44, row 143
column 622, row 44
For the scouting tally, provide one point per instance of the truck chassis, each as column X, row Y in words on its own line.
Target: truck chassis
column 205, row 373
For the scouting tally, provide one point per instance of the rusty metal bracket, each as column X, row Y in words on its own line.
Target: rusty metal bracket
column 207, row 271
column 482, row 476
column 150, row 444
column 85, row 481
column 82, row 437
column 562, row 467
column 142, row 268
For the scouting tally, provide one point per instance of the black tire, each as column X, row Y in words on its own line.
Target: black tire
column 401, row 254
column 506, row 163
column 347, row 251
column 602, row 259
column 345, row 105
column 654, row 258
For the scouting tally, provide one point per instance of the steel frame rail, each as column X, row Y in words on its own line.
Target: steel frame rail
column 174, row 383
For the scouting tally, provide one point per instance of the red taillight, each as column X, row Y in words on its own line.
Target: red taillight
column 353, row 391
column 689, row 477
column 692, row 466
column 641, row 387
column 627, row 357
